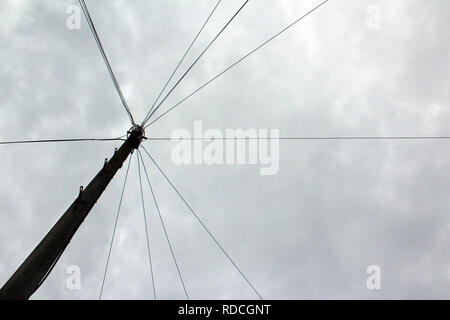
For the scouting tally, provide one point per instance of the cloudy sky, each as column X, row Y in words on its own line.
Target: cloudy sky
column 352, row 68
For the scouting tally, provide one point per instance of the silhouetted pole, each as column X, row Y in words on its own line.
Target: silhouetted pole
column 35, row 269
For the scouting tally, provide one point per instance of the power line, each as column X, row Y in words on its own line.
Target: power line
column 196, row 60
column 179, row 63
column 203, row 225
column 146, row 229
column 115, row 227
column 60, row 140
column 237, row 62
column 164, row 227
column 105, row 59
column 175, row 139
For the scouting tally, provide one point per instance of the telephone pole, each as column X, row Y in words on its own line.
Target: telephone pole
column 35, row 269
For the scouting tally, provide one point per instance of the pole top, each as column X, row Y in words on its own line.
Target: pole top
column 136, row 134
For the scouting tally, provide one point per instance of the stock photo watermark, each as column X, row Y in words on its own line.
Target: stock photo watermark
column 373, row 21
column 73, row 22
column 373, row 282
column 73, row 281
column 232, row 147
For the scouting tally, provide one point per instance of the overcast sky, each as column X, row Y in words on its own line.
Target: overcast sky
column 311, row 231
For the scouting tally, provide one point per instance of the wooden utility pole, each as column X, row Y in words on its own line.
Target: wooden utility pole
column 35, row 269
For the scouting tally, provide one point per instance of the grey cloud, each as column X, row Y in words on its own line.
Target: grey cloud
column 335, row 207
